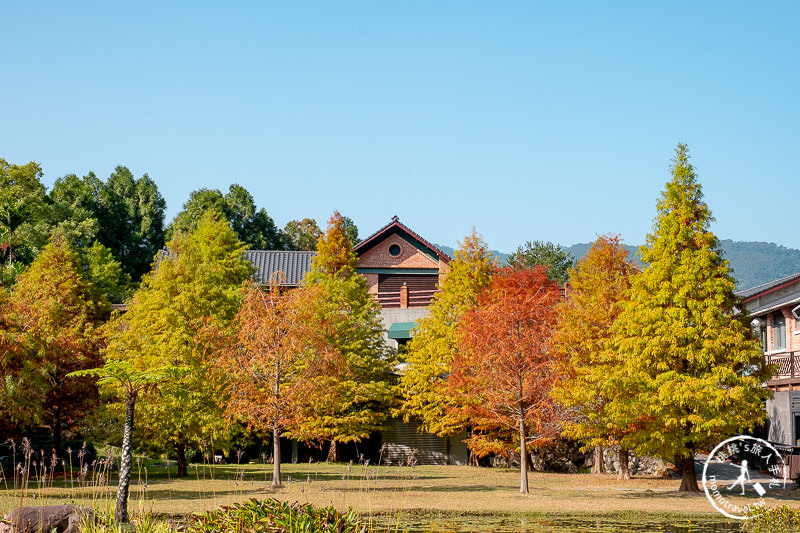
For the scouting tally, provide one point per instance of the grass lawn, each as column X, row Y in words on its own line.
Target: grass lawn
column 388, row 491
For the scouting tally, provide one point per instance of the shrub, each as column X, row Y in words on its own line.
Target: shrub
column 271, row 515
column 773, row 520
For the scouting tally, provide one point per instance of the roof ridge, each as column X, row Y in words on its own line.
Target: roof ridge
column 765, row 286
column 396, row 223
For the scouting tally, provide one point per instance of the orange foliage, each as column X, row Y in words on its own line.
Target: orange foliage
column 503, row 373
column 334, row 250
column 275, row 355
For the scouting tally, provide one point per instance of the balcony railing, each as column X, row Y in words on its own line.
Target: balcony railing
column 389, row 300
column 787, row 364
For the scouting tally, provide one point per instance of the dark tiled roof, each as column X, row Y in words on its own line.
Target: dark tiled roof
column 775, row 304
column 767, row 287
column 395, row 224
column 293, row 264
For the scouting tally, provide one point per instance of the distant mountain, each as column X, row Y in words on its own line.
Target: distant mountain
column 501, row 257
column 753, row 263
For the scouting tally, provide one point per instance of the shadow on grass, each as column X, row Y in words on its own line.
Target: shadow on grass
column 250, row 476
column 462, row 488
column 193, row 495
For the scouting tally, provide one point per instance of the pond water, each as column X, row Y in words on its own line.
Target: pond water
column 478, row 524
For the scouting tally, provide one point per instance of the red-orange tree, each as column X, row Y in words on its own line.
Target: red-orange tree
column 273, row 360
column 503, row 374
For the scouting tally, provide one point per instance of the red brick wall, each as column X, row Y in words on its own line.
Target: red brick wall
column 410, row 257
column 792, row 340
column 372, row 283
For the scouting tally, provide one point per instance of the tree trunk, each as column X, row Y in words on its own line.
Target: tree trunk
column 180, row 451
column 523, row 458
column 599, row 466
column 688, row 474
column 56, row 430
column 333, row 453
column 473, row 458
column 276, row 458
column 623, row 472
column 121, row 510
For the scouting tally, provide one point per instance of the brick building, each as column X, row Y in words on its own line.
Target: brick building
column 403, row 271
column 774, row 310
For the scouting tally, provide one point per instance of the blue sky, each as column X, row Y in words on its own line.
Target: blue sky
column 528, row 120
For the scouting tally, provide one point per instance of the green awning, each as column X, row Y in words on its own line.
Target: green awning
column 401, row 330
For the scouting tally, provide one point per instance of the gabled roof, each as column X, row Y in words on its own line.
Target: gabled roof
column 396, row 227
column 293, row 264
column 789, row 299
column 765, row 288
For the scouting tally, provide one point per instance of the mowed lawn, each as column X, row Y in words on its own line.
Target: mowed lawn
column 385, row 491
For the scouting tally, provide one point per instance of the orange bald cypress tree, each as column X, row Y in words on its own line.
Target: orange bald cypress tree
column 274, row 360
column 502, row 374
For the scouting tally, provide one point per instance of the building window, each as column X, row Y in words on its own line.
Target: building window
column 778, row 331
column 394, row 250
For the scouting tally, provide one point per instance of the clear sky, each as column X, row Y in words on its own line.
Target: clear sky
column 528, row 120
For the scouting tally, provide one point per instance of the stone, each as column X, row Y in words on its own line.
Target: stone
column 637, row 465
column 46, row 519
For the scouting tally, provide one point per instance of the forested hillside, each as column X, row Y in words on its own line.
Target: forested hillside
column 753, row 263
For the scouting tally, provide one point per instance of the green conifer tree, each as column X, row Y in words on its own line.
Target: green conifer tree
column 196, row 288
column 694, row 372
column 353, row 399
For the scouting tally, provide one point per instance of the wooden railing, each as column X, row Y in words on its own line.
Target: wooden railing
column 787, row 364
column 389, row 300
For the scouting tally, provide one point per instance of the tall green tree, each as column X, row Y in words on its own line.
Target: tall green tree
column 351, row 230
column 252, row 226
column 196, row 288
column 302, row 234
column 599, row 287
column 105, row 274
column 553, row 256
column 434, row 343
column 354, row 398
column 694, row 372
column 24, row 224
column 52, row 322
column 131, row 220
column 75, row 208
